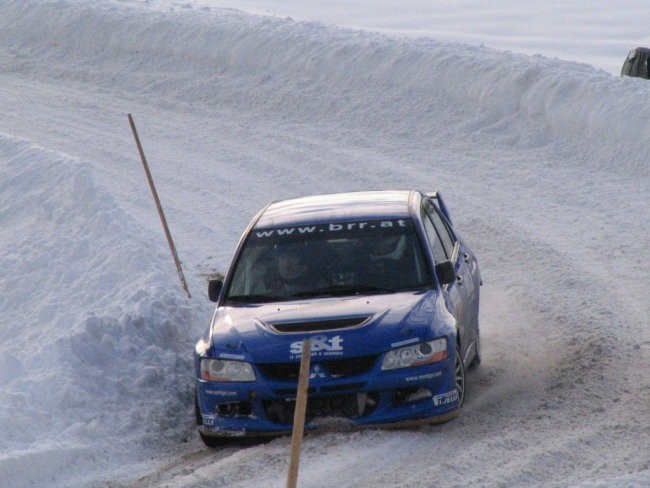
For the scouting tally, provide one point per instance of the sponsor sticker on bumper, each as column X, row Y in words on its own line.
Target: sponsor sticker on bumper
column 424, row 377
column 445, row 398
column 208, row 420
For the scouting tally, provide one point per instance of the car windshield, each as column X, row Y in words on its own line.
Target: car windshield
column 331, row 259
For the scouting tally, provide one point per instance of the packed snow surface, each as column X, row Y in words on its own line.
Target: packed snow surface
column 543, row 163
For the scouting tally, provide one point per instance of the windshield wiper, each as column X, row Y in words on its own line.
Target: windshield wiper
column 254, row 298
column 343, row 290
column 327, row 291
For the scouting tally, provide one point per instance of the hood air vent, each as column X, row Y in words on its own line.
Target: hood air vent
column 318, row 325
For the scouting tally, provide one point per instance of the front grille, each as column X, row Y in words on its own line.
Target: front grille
column 346, row 386
column 318, row 325
column 280, row 371
column 337, row 368
column 351, row 366
column 291, row 391
column 349, row 406
column 324, row 389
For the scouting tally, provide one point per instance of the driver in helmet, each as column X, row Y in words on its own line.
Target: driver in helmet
column 387, row 260
column 292, row 270
column 389, row 247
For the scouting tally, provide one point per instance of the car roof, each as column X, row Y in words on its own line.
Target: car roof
column 337, row 207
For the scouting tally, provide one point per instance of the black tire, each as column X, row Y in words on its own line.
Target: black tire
column 459, row 373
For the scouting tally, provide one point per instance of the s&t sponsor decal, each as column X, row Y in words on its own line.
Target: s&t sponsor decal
column 321, row 346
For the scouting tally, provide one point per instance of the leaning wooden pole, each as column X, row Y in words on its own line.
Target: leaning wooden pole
column 159, row 207
column 299, row 414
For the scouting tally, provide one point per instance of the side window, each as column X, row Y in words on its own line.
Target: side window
column 434, row 241
column 447, row 239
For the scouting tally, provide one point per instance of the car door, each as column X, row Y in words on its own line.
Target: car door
column 446, row 246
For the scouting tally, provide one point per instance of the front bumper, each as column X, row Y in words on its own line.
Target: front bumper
column 370, row 398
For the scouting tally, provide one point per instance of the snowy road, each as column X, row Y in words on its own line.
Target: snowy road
column 534, row 157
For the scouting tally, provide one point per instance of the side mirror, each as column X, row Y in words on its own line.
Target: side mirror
column 446, row 272
column 214, row 289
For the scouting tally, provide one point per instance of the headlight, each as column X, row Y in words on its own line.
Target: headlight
column 415, row 355
column 220, row 370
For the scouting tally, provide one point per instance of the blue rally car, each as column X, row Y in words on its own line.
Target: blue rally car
column 385, row 289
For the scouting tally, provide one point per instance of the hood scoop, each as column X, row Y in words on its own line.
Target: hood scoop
column 318, row 325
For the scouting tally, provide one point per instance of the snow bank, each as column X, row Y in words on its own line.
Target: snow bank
column 583, row 30
column 313, row 73
column 93, row 326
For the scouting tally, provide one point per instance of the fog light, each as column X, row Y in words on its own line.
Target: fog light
column 419, row 394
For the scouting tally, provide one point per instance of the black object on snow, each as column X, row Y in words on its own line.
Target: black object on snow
column 636, row 63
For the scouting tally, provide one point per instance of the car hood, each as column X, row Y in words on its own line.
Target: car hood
column 337, row 327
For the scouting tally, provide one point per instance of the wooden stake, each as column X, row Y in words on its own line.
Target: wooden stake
column 299, row 414
column 159, row 207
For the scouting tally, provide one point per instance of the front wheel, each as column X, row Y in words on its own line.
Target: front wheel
column 460, row 378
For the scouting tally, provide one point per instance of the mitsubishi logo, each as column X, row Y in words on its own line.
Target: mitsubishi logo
column 317, row 372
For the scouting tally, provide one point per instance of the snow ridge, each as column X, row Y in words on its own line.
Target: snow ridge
column 89, row 335
column 328, row 75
